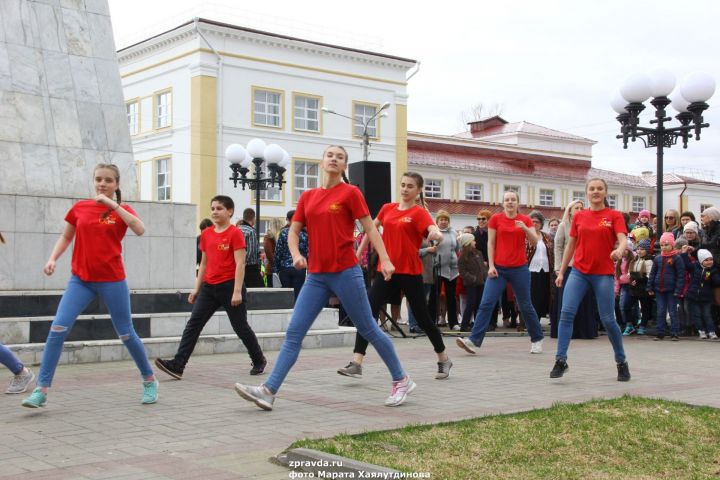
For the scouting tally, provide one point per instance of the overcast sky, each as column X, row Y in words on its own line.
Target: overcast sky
column 553, row 63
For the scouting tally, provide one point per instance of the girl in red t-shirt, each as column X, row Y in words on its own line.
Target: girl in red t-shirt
column 329, row 213
column 219, row 283
column 405, row 224
column 98, row 226
column 508, row 232
column 598, row 238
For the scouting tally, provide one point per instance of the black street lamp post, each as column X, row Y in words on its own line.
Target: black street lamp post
column 689, row 101
column 365, row 124
column 257, row 153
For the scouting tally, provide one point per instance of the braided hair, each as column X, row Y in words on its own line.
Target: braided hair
column 118, row 194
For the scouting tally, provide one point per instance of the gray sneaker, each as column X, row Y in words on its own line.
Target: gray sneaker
column 260, row 396
column 466, row 345
column 352, row 369
column 443, row 370
column 20, row 382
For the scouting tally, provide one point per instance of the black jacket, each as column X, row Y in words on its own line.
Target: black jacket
column 702, row 281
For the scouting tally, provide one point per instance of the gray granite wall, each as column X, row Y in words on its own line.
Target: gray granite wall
column 62, row 109
column 163, row 258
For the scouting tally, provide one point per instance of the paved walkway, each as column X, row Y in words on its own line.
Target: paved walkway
column 94, row 427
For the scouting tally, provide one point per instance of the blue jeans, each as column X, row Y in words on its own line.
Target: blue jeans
column 349, row 286
column 627, row 304
column 10, row 360
column 577, row 286
column 412, row 321
column 666, row 302
column 77, row 296
column 701, row 313
column 519, row 278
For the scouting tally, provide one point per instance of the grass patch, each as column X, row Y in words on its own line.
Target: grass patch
column 624, row 438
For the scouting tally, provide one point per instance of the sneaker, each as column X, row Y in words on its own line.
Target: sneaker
column 641, row 330
column 658, row 338
column 20, row 382
column 712, row 335
column 443, row 370
column 559, row 369
column 466, row 344
column 629, row 330
column 456, row 328
column 400, row 390
column 416, row 330
column 36, row 399
column 170, row 367
column 675, row 338
column 536, row 347
column 352, row 369
column 260, row 396
column 623, row 372
column 150, row 392
column 258, row 368
column 702, row 334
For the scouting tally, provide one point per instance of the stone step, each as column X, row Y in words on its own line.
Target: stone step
column 113, row 350
column 30, row 330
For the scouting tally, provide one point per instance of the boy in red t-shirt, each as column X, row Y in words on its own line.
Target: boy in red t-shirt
column 219, row 283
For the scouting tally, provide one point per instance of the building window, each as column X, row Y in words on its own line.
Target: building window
column 306, row 114
column 473, row 191
column 547, row 198
column 163, row 110
column 512, row 188
column 307, row 176
column 362, row 113
column 133, row 117
column 433, row 188
column 612, row 201
column 267, row 108
column 162, row 177
column 578, row 195
column 273, row 193
column 638, row 203
column 704, row 206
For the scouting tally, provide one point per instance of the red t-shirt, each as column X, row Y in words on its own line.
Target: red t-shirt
column 403, row 232
column 220, row 249
column 509, row 240
column 329, row 215
column 97, row 253
column 595, row 235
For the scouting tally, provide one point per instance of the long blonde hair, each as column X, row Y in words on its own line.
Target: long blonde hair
column 673, row 213
column 567, row 216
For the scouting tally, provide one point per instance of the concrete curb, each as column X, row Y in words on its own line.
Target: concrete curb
column 327, row 465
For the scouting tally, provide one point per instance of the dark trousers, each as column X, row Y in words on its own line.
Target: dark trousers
column 474, row 295
column 646, row 307
column 412, row 285
column 253, row 277
column 209, row 299
column 450, row 300
column 292, row 278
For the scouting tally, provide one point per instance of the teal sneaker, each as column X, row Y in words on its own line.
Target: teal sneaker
column 641, row 330
column 629, row 330
column 36, row 399
column 150, row 392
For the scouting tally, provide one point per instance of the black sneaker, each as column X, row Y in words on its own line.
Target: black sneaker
column 675, row 338
column 623, row 372
column 659, row 338
column 559, row 369
column 170, row 367
column 258, row 368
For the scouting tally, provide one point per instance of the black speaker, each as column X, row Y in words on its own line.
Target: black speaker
column 373, row 180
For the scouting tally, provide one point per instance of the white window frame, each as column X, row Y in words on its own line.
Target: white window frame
column 262, row 109
column 162, row 192
column 303, row 114
column 273, row 193
column 163, row 109
column 433, row 188
column 304, row 181
column 705, row 206
column 359, row 120
column 612, row 201
column 132, row 109
column 511, row 188
column 546, row 197
column 638, row 203
column 474, row 192
column 578, row 195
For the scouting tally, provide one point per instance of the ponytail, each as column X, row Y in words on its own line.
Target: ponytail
column 422, row 200
column 344, row 177
column 118, row 196
column 2, row 239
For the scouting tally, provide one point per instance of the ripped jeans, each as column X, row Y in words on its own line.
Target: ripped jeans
column 77, row 296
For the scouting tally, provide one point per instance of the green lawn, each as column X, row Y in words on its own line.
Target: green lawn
column 626, row 438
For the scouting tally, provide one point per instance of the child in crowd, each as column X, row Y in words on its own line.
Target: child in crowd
column 666, row 282
column 473, row 272
column 640, row 268
column 622, row 288
column 704, row 276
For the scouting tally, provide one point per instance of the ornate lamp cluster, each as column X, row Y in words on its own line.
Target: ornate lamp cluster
column 689, row 100
column 256, row 153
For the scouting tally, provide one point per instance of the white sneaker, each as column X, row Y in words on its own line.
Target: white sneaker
column 456, row 328
column 702, row 334
column 536, row 347
column 400, row 391
column 466, row 345
column 712, row 336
